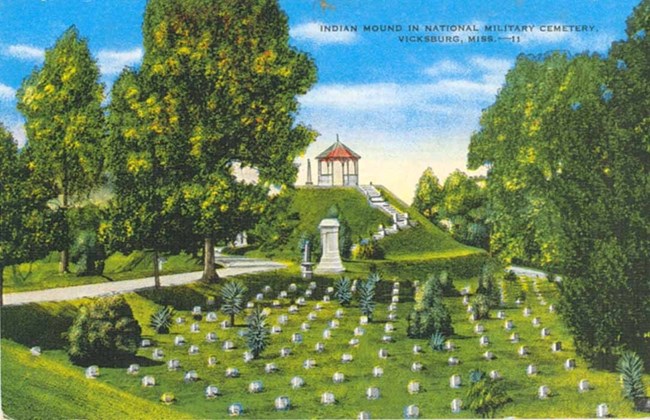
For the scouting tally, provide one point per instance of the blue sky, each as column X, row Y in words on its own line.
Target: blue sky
column 401, row 106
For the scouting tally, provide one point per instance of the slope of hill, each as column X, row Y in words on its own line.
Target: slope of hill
column 41, row 387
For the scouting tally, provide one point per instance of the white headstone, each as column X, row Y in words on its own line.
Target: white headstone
column 537, row 322
column 383, row 354
column 494, row 375
column 392, row 316
column 364, row 415
column 225, row 324
column 308, row 293
column 363, row 320
column 501, row 315
column 301, row 301
column 453, row 361
column 346, row 358
column 211, row 391
column 276, row 329
column 276, row 303
column 556, row 346
column 456, row 406
column 327, row 334
column 386, row 339
column 454, row 381
column 296, row 338
column 196, row 310
column 297, row 382
column 250, row 305
column 488, row 355
column 531, row 370
column 416, row 367
column 319, row 347
column 358, row 331
column 334, row 323
column 283, row 294
column 235, row 410
column 282, row 403
column 353, row 342
column 413, row 387
column 389, row 327
column 143, row 343
column 545, row 332
column 551, row 308
column 543, row 392
column 411, row 412
column 514, row 337
column 193, row 350
column 484, row 340
column 195, row 328
column 377, row 372
column 528, row 312
column 583, row 385
column 191, row 376
column 339, row 313
column 372, row 393
column 248, row 357
column 523, row 351
column 179, row 340
column 283, row 319
column 479, row 329
column 417, row 349
column 327, row 398
column 228, row 345
column 211, row 337
column 508, row 325
column 157, row 354
column 92, row 372
column 173, row 364
column 232, row 373
column 312, row 316
column 293, row 309
column 465, row 300
column 449, row 345
column 212, row 361
column 211, row 317
column 338, row 377
column 602, row 411
column 148, row 381
column 255, row 387
column 180, row 320
column 330, row 261
column 394, row 299
column 570, row 364
column 270, row 368
column 305, row 326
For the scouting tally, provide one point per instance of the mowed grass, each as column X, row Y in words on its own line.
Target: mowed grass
column 424, row 241
column 434, row 400
column 44, row 274
column 44, row 387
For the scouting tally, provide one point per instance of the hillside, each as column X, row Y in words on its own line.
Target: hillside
column 42, row 387
column 422, row 242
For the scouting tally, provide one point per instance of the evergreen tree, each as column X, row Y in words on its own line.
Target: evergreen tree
column 61, row 102
column 232, row 296
column 258, row 335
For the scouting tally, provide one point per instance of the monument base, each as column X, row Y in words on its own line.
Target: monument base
column 306, row 270
column 329, row 266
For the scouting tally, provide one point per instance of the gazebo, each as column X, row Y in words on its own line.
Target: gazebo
column 330, row 173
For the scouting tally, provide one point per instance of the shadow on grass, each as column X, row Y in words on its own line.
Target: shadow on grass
column 38, row 324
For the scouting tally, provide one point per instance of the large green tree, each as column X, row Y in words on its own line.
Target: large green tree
column 222, row 81
column 61, row 102
column 146, row 172
column 26, row 222
column 566, row 146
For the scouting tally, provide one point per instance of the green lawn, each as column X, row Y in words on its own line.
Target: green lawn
column 44, row 274
column 565, row 401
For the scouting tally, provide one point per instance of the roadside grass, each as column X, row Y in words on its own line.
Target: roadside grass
column 44, row 274
column 434, row 401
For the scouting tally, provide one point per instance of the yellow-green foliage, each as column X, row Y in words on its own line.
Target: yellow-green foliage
column 40, row 387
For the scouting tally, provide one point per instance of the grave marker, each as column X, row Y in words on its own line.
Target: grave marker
column 148, row 381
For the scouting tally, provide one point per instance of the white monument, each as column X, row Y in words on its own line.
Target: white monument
column 330, row 261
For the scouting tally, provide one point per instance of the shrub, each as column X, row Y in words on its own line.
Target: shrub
column 481, row 306
column 485, row 396
column 437, row 341
column 258, row 335
column 476, row 375
column 429, row 314
column 343, row 291
column 488, row 287
column 447, row 284
column 162, row 320
column 232, row 295
column 630, row 366
column 366, row 290
column 104, row 332
column 368, row 249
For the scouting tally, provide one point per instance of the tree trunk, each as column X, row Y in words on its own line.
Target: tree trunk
column 232, row 320
column 156, row 271
column 209, row 271
column 64, row 262
column 1, row 283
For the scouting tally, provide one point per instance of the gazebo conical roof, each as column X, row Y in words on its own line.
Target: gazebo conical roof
column 338, row 151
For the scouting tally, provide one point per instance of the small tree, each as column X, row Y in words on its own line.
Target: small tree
column 257, row 335
column 630, row 366
column 104, row 332
column 343, row 291
column 366, row 291
column 485, row 396
column 429, row 314
column 481, row 306
column 232, row 294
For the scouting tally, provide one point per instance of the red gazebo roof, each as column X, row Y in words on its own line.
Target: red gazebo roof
column 338, row 151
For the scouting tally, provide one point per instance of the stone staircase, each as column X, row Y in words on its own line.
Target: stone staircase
column 400, row 220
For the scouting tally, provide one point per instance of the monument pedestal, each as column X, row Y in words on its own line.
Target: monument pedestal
column 306, row 270
column 330, row 261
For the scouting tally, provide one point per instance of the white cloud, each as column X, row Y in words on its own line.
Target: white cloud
column 112, row 62
column 25, row 52
column 18, row 131
column 576, row 41
column 446, row 67
column 311, row 32
column 7, row 93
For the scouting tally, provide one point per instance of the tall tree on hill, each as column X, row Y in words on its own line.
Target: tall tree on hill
column 566, row 145
column 26, row 222
column 223, row 81
column 61, row 102
column 428, row 195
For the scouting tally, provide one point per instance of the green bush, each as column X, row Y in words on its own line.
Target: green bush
column 368, row 250
column 258, row 335
column 162, row 320
column 232, row 295
column 429, row 314
column 481, row 306
column 343, row 291
column 366, row 290
column 485, row 396
column 104, row 332
column 630, row 366
column 437, row 341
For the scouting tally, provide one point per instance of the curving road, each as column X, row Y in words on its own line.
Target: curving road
column 233, row 266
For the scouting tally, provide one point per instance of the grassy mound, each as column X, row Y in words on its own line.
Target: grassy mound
column 43, row 387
